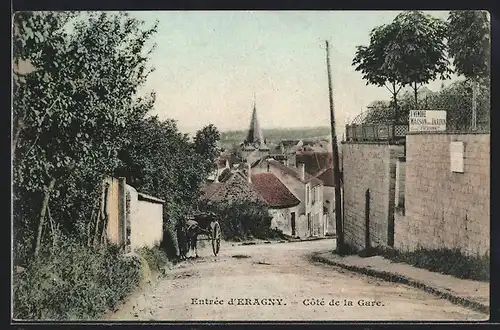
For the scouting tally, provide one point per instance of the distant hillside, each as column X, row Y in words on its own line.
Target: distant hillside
column 274, row 135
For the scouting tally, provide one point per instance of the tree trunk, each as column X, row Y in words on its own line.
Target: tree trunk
column 415, row 90
column 395, row 96
column 42, row 215
column 15, row 141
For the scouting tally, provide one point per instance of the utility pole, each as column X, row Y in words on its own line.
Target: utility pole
column 336, row 170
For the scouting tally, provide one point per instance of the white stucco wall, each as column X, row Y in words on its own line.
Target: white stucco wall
column 282, row 219
column 145, row 220
column 314, row 207
column 147, row 229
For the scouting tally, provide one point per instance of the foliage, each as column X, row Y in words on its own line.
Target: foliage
column 155, row 257
column 161, row 161
column 455, row 99
column 469, row 42
column 73, row 282
column 205, row 145
column 242, row 219
column 409, row 51
column 370, row 60
column 71, row 112
column 417, row 53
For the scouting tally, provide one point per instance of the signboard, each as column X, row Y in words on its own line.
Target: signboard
column 457, row 156
column 427, row 120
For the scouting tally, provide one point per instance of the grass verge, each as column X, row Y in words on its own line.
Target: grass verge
column 444, row 261
column 73, row 282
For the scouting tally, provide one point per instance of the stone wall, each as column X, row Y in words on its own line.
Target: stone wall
column 372, row 167
column 445, row 209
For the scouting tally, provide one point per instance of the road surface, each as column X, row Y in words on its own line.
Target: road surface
column 278, row 281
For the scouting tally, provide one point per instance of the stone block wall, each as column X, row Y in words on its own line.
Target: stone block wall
column 445, row 209
column 369, row 166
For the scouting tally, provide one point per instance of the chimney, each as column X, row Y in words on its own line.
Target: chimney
column 227, row 163
column 217, row 175
column 303, row 171
column 249, row 173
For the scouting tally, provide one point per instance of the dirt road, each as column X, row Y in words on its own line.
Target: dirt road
column 279, row 282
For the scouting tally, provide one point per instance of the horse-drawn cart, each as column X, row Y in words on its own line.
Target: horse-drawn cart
column 206, row 224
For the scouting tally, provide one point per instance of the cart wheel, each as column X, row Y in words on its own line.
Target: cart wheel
column 216, row 235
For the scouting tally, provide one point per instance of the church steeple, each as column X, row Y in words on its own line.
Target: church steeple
column 254, row 135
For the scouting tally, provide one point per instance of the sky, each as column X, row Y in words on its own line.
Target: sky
column 210, row 64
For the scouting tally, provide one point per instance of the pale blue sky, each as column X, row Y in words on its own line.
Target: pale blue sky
column 209, row 65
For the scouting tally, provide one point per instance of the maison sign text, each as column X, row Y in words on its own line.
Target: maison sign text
column 427, row 120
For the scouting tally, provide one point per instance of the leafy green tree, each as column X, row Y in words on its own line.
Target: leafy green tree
column 161, row 161
column 71, row 113
column 409, row 51
column 417, row 52
column 469, row 43
column 370, row 61
column 205, row 145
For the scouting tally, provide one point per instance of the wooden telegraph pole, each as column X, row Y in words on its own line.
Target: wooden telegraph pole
column 336, row 170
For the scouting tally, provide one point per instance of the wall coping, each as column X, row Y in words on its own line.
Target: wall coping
column 385, row 143
column 448, row 133
column 149, row 198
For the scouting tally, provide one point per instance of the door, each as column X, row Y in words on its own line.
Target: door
column 309, row 224
column 293, row 224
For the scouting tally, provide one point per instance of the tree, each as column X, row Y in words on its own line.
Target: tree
column 409, row 51
column 469, row 44
column 416, row 53
column 370, row 61
column 205, row 144
column 71, row 112
column 161, row 161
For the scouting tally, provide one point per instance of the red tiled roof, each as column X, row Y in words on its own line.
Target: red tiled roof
column 274, row 192
column 326, row 175
column 235, row 187
column 294, row 173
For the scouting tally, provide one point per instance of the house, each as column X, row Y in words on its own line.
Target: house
column 289, row 146
column 289, row 149
column 307, row 188
column 314, row 162
column 283, row 205
column 326, row 176
column 233, row 187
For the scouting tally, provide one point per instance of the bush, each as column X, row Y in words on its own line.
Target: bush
column 155, row 257
column 244, row 219
column 73, row 282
